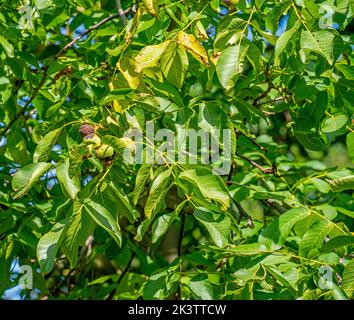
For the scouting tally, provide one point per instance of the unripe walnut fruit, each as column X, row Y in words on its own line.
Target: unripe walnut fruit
column 93, row 139
column 104, row 151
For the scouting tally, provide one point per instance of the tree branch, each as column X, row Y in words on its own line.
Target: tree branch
column 238, row 132
column 274, row 205
column 28, row 102
column 121, row 12
column 90, row 29
column 244, row 214
column 271, row 170
column 126, row 269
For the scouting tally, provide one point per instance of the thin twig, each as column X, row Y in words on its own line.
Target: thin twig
column 271, row 170
column 28, row 102
column 231, row 173
column 251, row 140
column 274, row 205
column 90, row 29
column 121, row 12
column 259, row 103
column 244, row 214
column 126, row 269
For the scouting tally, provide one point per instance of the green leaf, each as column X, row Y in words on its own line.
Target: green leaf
column 230, row 64
column 48, row 246
column 45, row 145
column 320, row 42
column 313, row 239
column 337, row 242
column 281, row 279
column 158, row 191
column 347, row 212
column 217, row 224
column 8, row 47
column 350, row 145
column 340, row 184
column 163, row 282
column 346, row 70
column 311, row 141
column 174, row 64
column 16, row 145
column 70, row 185
column 123, row 146
column 163, row 222
column 334, row 123
column 104, row 219
column 348, row 278
column 140, row 181
column 283, row 41
column 270, row 236
column 75, row 232
column 210, row 185
column 26, row 177
column 201, row 287
column 117, row 201
column 288, row 219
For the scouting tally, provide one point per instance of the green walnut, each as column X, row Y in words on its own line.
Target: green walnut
column 93, row 139
column 104, row 152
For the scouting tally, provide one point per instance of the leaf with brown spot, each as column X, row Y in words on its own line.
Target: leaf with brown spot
column 193, row 46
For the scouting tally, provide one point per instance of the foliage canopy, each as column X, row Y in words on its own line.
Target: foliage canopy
column 75, row 75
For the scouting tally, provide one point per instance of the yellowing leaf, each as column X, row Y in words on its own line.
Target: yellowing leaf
column 150, row 56
column 193, row 46
column 127, row 68
column 151, row 6
column 115, row 103
column 200, row 31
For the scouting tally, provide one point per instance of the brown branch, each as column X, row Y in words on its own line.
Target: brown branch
column 28, row 102
column 274, row 205
column 126, row 269
column 244, row 214
column 238, row 132
column 229, row 176
column 259, row 103
column 121, row 12
column 271, row 170
column 90, row 29
column 266, row 92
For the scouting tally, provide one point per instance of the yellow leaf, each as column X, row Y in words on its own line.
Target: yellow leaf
column 115, row 104
column 151, row 6
column 132, row 27
column 127, row 68
column 150, row 56
column 193, row 46
column 200, row 31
